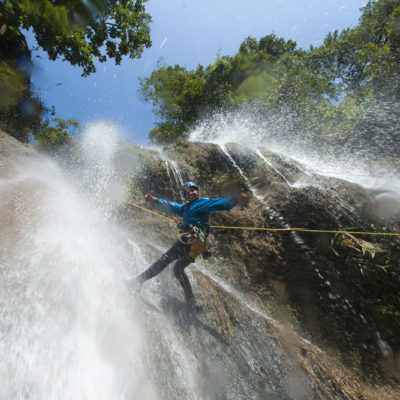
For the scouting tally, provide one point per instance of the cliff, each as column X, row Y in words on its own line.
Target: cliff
column 339, row 290
column 272, row 301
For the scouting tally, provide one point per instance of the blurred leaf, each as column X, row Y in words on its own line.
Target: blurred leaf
column 12, row 87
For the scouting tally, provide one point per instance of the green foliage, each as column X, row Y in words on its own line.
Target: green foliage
column 218, row 82
column 12, row 86
column 366, row 57
column 333, row 89
column 348, row 241
column 180, row 97
column 82, row 31
column 374, row 271
column 78, row 31
column 53, row 138
column 176, row 95
column 166, row 132
column 20, row 111
column 202, row 174
column 257, row 65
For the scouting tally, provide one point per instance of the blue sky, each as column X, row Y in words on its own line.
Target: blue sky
column 188, row 33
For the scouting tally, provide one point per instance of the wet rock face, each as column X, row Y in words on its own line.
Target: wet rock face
column 231, row 349
column 236, row 352
column 330, row 285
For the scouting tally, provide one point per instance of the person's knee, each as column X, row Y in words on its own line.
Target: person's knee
column 178, row 271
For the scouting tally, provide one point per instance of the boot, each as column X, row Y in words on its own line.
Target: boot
column 193, row 305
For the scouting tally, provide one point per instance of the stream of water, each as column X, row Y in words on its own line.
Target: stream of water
column 177, row 180
column 273, row 214
column 271, row 132
column 69, row 329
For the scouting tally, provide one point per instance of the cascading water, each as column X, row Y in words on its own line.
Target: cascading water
column 169, row 175
column 273, row 214
column 258, row 152
column 307, row 179
column 277, row 134
column 68, row 326
column 71, row 328
column 177, row 173
column 269, row 133
column 177, row 181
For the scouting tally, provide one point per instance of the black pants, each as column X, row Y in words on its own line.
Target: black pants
column 178, row 252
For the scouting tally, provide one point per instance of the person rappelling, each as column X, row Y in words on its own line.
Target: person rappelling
column 194, row 229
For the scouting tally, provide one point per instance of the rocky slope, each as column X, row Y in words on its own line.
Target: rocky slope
column 340, row 290
column 258, row 291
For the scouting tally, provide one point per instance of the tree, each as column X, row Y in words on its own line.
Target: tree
column 367, row 57
column 218, row 88
column 53, row 135
column 177, row 97
column 331, row 92
column 81, row 31
column 181, row 97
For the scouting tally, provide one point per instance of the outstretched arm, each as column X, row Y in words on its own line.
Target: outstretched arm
column 149, row 197
column 166, row 206
column 224, row 203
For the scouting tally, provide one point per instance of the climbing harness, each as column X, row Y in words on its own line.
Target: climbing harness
column 251, row 228
column 194, row 237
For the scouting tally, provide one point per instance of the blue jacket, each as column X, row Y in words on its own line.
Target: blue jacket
column 197, row 212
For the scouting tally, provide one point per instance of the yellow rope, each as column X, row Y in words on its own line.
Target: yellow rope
column 149, row 211
column 251, row 228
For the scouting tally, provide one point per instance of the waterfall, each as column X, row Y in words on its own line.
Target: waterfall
column 311, row 181
column 71, row 328
column 341, row 302
column 273, row 214
column 169, row 176
column 258, row 152
column 277, row 134
column 178, row 181
column 177, row 173
column 68, row 326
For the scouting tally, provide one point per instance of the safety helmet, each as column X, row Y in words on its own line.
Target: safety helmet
column 187, row 185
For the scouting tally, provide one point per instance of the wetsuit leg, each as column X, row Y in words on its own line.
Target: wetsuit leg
column 179, row 272
column 178, row 249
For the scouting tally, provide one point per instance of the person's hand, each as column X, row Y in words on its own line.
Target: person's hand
column 243, row 199
column 149, row 197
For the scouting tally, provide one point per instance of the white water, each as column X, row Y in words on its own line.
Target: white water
column 254, row 134
column 258, row 152
column 177, row 173
column 177, row 180
column 69, row 328
column 271, row 133
column 273, row 214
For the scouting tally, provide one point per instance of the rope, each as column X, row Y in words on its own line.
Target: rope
column 251, row 228
column 151, row 212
